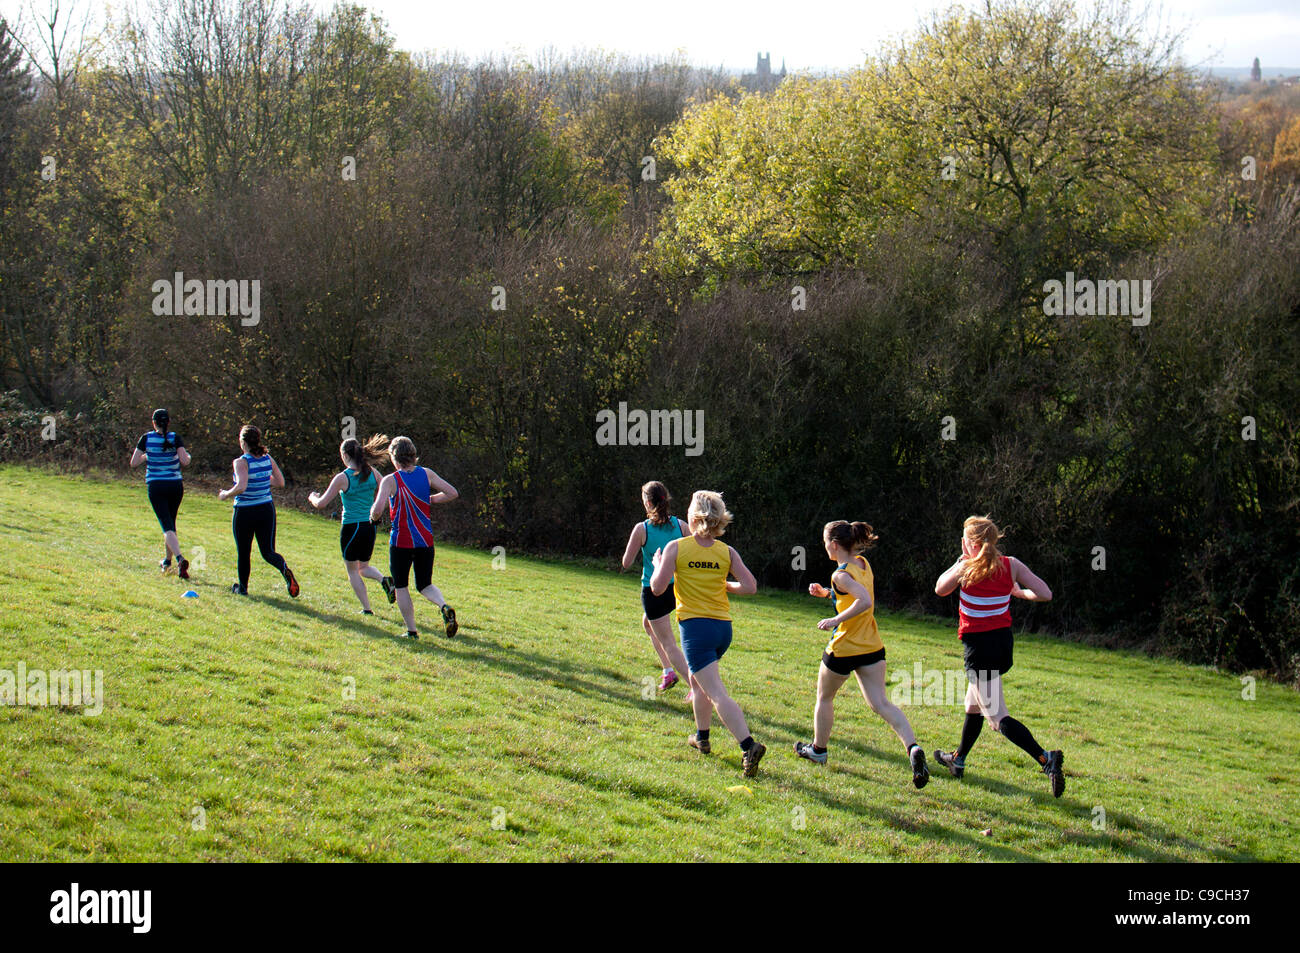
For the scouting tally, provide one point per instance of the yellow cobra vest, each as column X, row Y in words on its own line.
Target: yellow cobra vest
column 701, row 580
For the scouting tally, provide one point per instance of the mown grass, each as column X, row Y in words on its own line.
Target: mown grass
column 227, row 733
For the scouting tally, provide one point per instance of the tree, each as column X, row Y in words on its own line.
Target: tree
column 15, row 93
column 1061, row 135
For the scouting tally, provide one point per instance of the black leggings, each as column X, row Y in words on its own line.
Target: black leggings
column 165, row 498
column 255, row 521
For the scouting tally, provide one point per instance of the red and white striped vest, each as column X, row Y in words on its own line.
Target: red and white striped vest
column 987, row 604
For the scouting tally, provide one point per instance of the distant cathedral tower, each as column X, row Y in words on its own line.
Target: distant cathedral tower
column 1256, row 74
column 763, row 79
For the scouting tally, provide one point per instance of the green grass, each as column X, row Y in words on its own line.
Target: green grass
column 535, row 709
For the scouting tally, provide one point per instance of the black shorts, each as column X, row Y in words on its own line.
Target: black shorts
column 847, row 664
column 357, row 541
column 987, row 651
column 165, row 498
column 656, row 607
column 400, row 562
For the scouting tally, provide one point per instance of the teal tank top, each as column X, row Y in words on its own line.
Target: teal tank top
column 656, row 537
column 358, row 497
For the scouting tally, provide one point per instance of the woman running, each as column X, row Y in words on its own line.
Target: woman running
column 357, row 486
column 163, row 454
column 988, row 580
column 407, row 492
column 855, row 647
column 255, row 473
column 648, row 537
column 700, row 564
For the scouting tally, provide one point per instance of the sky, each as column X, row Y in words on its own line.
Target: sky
column 810, row 35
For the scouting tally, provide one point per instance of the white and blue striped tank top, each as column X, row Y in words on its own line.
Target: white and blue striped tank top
column 161, row 460
column 258, row 490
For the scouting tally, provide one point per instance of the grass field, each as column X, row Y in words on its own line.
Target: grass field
column 227, row 734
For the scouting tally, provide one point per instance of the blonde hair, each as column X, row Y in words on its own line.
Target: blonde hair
column 402, row 450
column 988, row 561
column 707, row 514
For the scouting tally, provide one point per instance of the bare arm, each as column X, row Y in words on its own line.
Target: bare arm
column 861, row 599
column 665, row 562
column 1028, row 586
column 277, row 478
column 137, row 458
column 950, row 579
column 380, row 506
column 745, row 584
column 183, row 456
column 446, row 492
column 634, row 543
column 241, row 480
column 337, row 486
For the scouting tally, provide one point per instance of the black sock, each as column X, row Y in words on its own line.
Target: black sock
column 1019, row 735
column 747, row 743
column 817, row 750
column 970, row 730
column 702, row 734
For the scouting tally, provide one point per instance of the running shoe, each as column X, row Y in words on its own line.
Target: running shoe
column 183, row 567
column 165, row 566
column 956, row 766
column 238, row 590
column 387, row 583
column 804, row 750
column 449, row 617
column 699, row 744
column 366, row 612
column 920, row 773
column 290, row 582
column 1053, row 769
column 668, row 681
column 749, row 760
column 413, row 635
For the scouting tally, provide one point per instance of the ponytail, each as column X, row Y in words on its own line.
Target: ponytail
column 854, row 537
column 654, row 495
column 365, row 455
column 988, row 561
column 253, row 437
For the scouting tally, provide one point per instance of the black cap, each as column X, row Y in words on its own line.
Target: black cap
column 161, row 414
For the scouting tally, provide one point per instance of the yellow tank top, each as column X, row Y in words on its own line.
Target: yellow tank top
column 701, row 580
column 858, row 635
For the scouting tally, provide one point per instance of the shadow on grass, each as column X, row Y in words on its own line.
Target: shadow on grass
column 580, row 680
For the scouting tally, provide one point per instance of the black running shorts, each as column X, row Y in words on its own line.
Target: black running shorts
column 402, row 561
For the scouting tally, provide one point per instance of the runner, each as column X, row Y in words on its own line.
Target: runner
column 163, row 454
column 987, row 580
column 855, row 647
column 408, row 493
column 700, row 564
column 648, row 537
column 357, row 485
column 254, row 518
